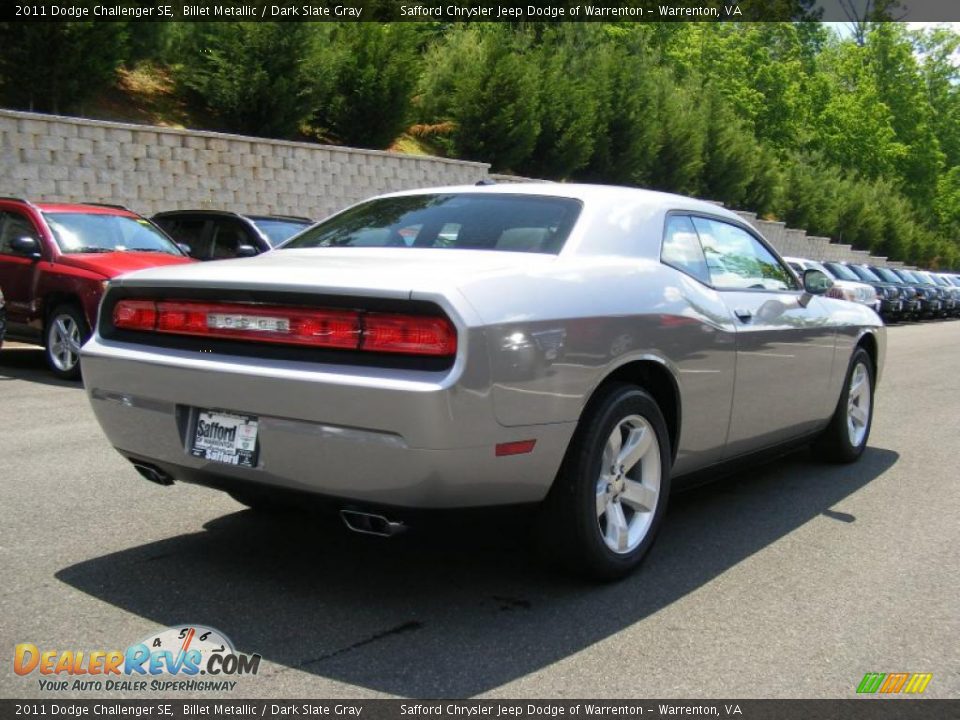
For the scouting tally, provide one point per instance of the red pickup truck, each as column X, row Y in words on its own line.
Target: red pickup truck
column 55, row 260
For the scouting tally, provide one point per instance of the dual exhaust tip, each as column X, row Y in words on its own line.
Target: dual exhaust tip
column 153, row 474
column 371, row 524
column 356, row 520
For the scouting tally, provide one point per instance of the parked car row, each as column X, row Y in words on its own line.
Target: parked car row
column 895, row 293
column 56, row 258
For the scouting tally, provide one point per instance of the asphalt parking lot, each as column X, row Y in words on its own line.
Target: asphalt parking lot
column 790, row 580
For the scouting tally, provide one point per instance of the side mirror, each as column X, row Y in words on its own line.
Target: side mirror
column 184, row 248
column 246, row 251
column 26, row 245
column 814, row 283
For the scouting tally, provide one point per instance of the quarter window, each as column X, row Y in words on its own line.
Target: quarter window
column 681, row 248
column 738, row 261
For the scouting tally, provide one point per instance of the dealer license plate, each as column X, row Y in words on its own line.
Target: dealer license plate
column 225, row 437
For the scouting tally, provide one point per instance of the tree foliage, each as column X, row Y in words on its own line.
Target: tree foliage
column 853, row 137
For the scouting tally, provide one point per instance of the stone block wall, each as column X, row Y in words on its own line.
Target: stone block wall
column 149, row 169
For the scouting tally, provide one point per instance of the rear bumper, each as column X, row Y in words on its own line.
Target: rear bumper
column 387, row 437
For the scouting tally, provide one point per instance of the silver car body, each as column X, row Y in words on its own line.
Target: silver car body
column 742, row 369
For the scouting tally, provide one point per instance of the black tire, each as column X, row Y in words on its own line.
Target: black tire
column 65, row 364
column 836, row 444
column 569, row 525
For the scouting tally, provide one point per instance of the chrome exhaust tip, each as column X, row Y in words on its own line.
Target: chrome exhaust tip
column 153, row 474
column 371, row 524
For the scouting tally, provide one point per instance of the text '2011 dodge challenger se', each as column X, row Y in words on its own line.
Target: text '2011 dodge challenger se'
column 579, row 348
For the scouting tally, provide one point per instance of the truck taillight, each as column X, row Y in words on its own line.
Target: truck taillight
column 300, row 326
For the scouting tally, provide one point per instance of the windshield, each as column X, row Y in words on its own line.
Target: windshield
column 842, row 271
column 277, row 231
column 888, row 275
column 924, row 278
column 96, row 233
column 467, row 221
column 864, row 273
column 907, row 277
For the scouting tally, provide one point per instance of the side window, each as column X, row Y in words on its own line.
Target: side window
column 227, row 237
column 190, row 231
column 12, row 226
column 681, row 248
column 738, row 261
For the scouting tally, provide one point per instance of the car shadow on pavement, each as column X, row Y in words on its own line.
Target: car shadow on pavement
column 27, row 363
column 450, row 612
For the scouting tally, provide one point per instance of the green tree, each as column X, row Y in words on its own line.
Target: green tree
column 481, row 79
column 365, row 91
column 569, row 102
column 55, row 66
column 253, row 77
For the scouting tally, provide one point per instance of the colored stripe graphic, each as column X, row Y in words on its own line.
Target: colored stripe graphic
column 871, row 682
column 918, row 682
column 892, row 683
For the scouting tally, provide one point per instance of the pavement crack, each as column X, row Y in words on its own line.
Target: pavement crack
column 406, row 627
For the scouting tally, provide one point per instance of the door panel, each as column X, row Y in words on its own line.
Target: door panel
column 785, row 351
column 18, row 274
column 785, row 355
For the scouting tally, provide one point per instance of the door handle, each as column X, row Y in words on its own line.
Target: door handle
column 743, row 314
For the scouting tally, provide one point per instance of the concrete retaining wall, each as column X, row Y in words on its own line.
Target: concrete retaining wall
column 148, row 169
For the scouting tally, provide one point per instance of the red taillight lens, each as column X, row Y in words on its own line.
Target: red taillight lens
column 408, row 334
column 314, row 327
column 135, row 315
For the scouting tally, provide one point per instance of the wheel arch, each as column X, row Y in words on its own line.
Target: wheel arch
column 654, row 376
column 869, row 342
column 52, row 300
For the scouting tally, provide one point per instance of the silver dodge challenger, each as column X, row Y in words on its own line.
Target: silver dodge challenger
column 580, row 349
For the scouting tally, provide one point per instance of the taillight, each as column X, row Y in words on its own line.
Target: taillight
column 312, row 327
column 135, row 315
column 408, row 334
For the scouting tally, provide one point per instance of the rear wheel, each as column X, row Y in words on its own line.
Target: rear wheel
column 66, row 331
column 608, row 500
column 846, row 436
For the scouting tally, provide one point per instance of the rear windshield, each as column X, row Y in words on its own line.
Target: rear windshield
column 96, row 233
column 462, row 221
column 277, row 231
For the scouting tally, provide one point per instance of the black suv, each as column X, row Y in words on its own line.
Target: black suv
column 892, row 305
column 931, row 303
column 912, row 297
column 219, row 235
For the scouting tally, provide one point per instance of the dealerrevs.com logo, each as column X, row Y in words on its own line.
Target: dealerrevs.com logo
column 187, row 658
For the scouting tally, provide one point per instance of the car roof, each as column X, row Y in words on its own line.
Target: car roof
column 231, row 213
column 85, row 208
column 587, row 193
column 60, row 207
